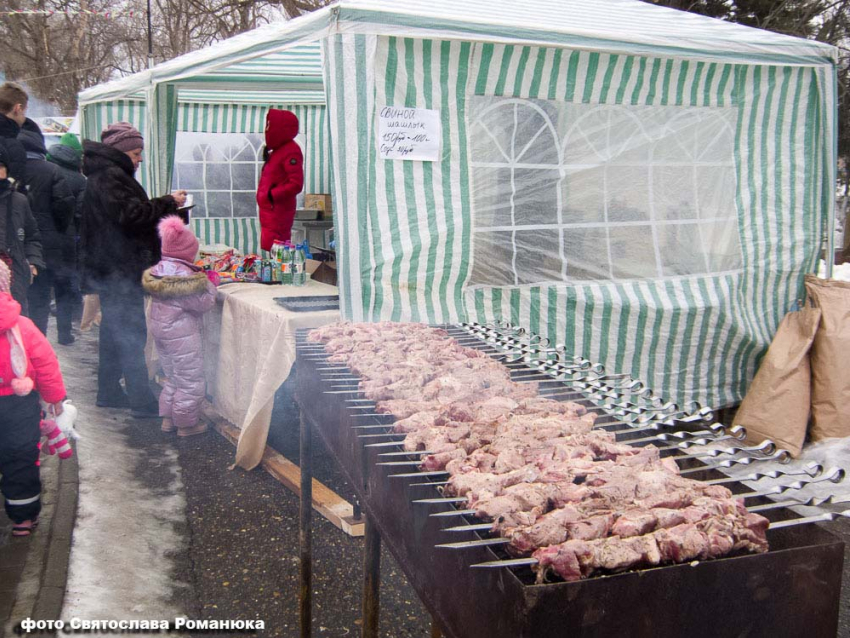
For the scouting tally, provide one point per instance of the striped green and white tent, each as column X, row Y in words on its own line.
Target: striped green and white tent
column 181, row 96
column 644, row 186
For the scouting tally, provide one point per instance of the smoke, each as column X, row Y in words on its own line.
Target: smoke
column 36, row 107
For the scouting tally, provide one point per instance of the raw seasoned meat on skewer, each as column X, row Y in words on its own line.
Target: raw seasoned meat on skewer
column 413, row 415
column 533, row 465
column 712, row 537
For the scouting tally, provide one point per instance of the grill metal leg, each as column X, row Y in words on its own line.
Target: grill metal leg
column 371, row 580
column 305, row 599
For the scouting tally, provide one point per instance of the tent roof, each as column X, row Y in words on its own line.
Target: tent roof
column 286, row 55
column 595, row 24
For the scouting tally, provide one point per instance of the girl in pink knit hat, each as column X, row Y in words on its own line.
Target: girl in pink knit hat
column 28, row 368
column 181, row 294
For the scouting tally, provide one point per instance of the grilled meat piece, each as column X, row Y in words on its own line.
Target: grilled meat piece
column 711, row 537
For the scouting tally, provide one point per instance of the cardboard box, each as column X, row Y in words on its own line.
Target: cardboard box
column 307, row 214
column 319, row 201
column 322, row 271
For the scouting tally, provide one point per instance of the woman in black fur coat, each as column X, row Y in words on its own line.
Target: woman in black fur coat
column 118, row 242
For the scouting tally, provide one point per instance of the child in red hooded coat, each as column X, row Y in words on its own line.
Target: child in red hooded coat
column 27, row 363
column 282, row 178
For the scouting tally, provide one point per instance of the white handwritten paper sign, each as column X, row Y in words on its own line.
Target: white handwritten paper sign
column 409, row 134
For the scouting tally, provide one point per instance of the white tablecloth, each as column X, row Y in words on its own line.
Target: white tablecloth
column 249, row 351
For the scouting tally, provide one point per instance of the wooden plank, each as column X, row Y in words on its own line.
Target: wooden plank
column 325, row 501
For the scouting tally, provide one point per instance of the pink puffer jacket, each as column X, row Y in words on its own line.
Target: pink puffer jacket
column 181, row 295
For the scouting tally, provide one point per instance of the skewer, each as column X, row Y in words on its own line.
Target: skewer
column 519, row 562
column 484, row 542
column 437, row 501
column 835, row 475
column 453, row 513
column 418, row 474
column 391, row 443
column 810, row 502
column 400, row 463
column 370, row 427
column 535, row 377
column 717, row 430
column 746, row 460
column 820, row 518
column 373, row 436
column 814, row 501
column 685, row 445
column 407, row 453
column 812, row 469
column 483, row 527
column 767, row 448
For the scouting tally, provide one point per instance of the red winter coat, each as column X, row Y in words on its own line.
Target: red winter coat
column 282, row 178
column 43, row 366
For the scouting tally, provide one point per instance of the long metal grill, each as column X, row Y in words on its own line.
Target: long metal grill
column 421, row 526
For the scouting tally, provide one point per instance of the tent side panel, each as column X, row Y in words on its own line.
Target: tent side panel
column 196, row 117
column 99, row 115
column 406, row 231
column 697, row 337
column 242, row 233
column 349, row 86
column 406, row 225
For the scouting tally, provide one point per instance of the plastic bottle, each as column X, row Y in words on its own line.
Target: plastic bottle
column 298, row 277
column 286, row 265
column 277, row 250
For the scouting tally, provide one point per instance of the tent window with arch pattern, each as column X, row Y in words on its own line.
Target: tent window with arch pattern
column 566, row 192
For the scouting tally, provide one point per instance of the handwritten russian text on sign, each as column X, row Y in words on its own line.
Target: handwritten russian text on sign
column 409, row 134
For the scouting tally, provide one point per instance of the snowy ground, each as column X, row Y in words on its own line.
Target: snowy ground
column 128, row 530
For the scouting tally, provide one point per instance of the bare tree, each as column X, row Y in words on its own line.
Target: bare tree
column 58, row 55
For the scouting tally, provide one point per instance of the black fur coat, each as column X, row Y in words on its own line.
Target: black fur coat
column 118, row 237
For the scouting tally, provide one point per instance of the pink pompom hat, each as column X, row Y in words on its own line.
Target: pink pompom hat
column 178, row 240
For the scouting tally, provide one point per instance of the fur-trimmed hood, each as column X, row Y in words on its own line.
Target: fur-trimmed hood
column 174, row 286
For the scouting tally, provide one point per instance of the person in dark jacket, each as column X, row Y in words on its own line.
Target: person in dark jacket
column 20, row 242
column 119, row 242
column 13, row 113
column 68, row 156
column 52, row 205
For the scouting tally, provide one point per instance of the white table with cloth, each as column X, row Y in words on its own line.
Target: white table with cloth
column 249, row 349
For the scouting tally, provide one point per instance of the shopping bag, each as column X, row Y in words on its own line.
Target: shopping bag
column 830, row 358
column 777, row 404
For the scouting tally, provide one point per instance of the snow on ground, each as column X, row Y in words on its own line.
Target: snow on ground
column 120, row 565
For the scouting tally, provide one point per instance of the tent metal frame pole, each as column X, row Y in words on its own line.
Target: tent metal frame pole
column 305, row 598
column 371, row 580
